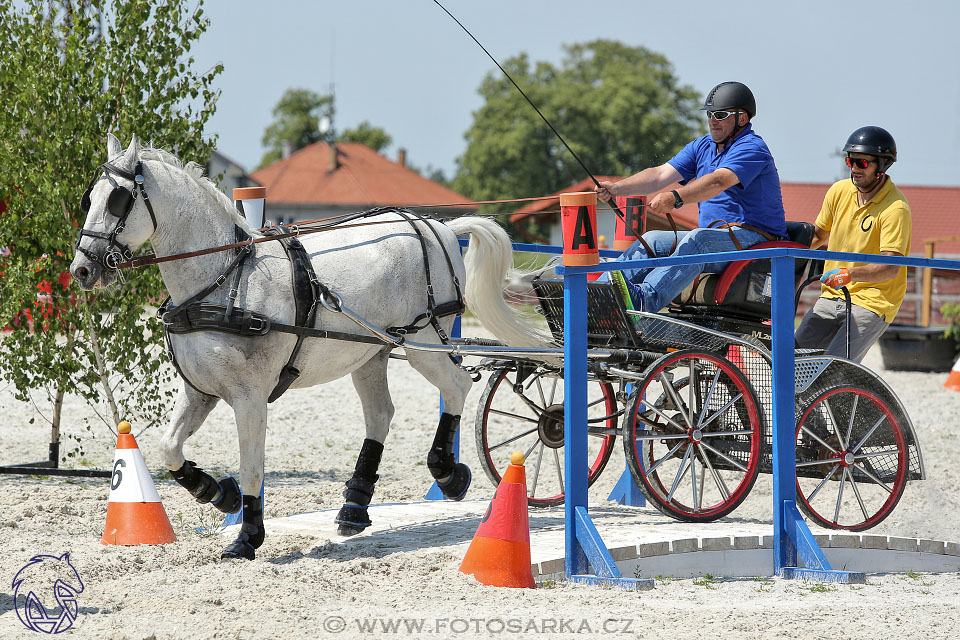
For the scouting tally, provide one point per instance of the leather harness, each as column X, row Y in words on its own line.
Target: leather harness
column 196, row 315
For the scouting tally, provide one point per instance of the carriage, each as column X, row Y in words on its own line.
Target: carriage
column 688, row 390
column 692, row 405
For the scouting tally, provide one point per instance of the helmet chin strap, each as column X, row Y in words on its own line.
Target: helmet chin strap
column 737, row 128
column 877, row 182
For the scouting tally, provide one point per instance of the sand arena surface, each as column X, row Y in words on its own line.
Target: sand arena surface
column 307, row 587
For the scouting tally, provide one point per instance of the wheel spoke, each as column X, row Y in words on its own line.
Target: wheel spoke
column 874, row 454
column 725, row 457
column 669, row 420
column 680, row 472
column 526, row 454
column 717, row 479
column 706, row 403
column 869, row 433
column 856, row 492
column 836, row 511
column 668, row 387
column 664, row 458
column 536, row 471
column 719, row 412
column 823, row 482
column 833, row 420
column 818, row 438
column 870, row 475
column 509, row 440
column 714, row 434
column 556, row 458
column 853, row 413
column 664, row 436
column 513, row 415
column 693, row 478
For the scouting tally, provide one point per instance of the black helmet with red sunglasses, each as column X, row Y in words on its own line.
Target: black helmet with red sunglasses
column 873, row 141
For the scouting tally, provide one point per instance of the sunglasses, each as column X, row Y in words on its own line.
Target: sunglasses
column 719, row 115
column 861, row 163
column 119, row 202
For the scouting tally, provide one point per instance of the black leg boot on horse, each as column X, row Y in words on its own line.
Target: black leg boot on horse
column 252, row 531
column 453, row 478
column 353, row 517
column 223, row 493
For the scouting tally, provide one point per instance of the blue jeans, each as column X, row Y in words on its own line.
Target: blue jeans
column 659, row 286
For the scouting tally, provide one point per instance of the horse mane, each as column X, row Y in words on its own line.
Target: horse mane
column 196, row 172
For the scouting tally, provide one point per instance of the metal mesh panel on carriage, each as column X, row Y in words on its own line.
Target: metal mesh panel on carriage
column 864, row 419
column 607, row 322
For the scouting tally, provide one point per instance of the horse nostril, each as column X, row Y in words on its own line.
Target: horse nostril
column 82, row 273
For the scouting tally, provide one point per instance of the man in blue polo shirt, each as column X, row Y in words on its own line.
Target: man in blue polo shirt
column 731, row 174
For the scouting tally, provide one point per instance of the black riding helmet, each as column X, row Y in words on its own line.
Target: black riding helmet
column 731, row 95
column 873, row 141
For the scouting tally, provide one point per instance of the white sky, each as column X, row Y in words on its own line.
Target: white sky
column 819, row 69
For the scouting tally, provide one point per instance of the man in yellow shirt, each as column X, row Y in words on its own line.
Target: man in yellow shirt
column 866, row 214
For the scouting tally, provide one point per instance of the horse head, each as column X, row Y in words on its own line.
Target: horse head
column 119, row 218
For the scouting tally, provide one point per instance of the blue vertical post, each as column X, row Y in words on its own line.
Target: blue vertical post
column 784, row 413
column 792, row 539
column 575, row 413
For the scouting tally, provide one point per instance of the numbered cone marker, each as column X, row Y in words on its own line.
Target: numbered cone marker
column 634, row 210
column 499, row 555
column 578, row 213
column 135, row 514
column 251, row 203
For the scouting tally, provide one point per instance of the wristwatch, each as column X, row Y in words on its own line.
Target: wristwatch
column 677, row 200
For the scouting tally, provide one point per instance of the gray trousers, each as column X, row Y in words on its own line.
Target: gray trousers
column 824, row 327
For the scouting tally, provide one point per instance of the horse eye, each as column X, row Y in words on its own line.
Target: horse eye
column 85, row 202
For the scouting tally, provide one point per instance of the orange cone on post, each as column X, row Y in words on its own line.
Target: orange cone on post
column 953, row 380
column 135, row 514
column 499, row 555
column 635, row 221
column 578, row 215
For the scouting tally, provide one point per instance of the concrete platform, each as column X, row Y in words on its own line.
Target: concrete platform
column 644, row 542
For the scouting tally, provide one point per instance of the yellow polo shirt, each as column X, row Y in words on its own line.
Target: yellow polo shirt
column 883, row 224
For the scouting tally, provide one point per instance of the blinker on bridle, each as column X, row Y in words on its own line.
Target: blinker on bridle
column 119, row 205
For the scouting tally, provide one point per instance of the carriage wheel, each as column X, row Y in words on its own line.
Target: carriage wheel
column 526, row 414
column 692, row 435
column 851, row 459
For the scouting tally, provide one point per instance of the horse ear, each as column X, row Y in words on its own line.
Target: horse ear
column 130, row 155
column 113, row 146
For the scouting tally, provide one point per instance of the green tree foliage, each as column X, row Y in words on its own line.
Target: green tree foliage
column 365, row 133
column 620, row 108
column 69, row 73
column 297, row 119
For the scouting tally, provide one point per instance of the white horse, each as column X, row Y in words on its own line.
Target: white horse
column 376, row 270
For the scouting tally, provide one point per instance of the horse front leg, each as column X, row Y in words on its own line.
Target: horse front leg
column 453, row 478
column 370, row 381
column 189, row 412
column 250, row 412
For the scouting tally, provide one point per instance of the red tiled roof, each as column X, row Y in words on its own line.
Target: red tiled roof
column 362, row 177
column 935, row 210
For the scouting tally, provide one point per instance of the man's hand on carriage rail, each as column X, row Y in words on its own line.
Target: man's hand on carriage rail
column 836, row 278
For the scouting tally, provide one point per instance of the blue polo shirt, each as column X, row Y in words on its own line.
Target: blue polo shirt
column 756, row 200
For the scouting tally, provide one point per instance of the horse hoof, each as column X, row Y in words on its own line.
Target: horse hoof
column 352, row 519
column 455, row 488
column 238, row 549
column 231, row 497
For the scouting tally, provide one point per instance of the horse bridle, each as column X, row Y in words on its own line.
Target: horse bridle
column 119, row 204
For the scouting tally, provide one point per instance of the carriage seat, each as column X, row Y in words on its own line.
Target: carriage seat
column 744, row 286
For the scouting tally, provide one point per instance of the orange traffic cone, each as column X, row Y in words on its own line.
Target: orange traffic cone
column 135, row 514
column 499, row 555
column 953, row 380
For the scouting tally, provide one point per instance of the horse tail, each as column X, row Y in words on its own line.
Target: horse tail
column 489, row 261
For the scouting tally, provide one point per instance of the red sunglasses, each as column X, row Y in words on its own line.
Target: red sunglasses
column 862, row 163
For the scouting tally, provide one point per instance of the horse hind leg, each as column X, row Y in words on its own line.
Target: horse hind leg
column 370, row 381
column 189, row 412
column 452, row 477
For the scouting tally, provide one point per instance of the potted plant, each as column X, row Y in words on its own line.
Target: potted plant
column 913, row 348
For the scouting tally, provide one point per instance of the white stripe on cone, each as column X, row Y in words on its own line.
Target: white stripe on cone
column 131, row 481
